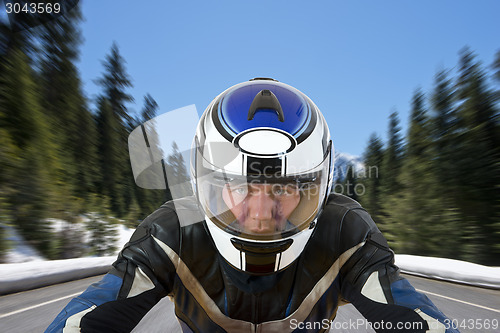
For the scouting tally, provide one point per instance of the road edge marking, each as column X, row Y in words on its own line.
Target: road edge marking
column 78, row 293
column 38, row 305
column 457, row 300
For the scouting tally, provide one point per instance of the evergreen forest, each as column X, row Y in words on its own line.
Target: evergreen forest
column 435, row 190
column 59, row 158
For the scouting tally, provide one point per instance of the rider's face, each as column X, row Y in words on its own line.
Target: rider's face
column 261, row 208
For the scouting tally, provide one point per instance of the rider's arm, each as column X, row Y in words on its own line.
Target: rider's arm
column 140, row 277
column 371, row 282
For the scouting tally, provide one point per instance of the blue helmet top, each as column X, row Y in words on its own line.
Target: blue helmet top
column 233, row 110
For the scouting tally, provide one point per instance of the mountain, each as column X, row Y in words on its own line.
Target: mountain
column 342, row 162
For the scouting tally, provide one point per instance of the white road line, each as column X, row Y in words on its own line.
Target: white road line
column 38, row 305
column 457, row 300
column 78, row 293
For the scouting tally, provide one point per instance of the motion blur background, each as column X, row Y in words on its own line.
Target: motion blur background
column 409, row 88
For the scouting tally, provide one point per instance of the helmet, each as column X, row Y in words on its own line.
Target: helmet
column 261, row 168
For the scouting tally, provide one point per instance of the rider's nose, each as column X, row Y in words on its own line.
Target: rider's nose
column 261, row 207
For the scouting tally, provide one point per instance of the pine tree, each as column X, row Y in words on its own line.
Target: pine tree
column 444, row 132
column 149, row 109
column 178, row 178
column 478, row 161
column 419, row 184
column 120, row 187
column 9, row 152
column 9, row 163
column 391, row 224
column 10, row 160
column 373, row 159
column 15, row 40
column 39, row 85
column 496, row 78
column 350, row 182
column 419, row 134
column 114, row 82
column 148, row 199
column 445, row 150
column 393, row 156
column 64, row 103
column 134, row 215
column 27, row 128
column 109, row 152
column 85, row 157
column 496, row 66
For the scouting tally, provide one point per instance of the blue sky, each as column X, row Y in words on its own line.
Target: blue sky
column 357, row 60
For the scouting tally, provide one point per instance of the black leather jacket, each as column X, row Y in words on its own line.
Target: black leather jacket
column 346, row 260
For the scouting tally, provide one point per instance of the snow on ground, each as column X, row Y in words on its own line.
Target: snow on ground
column 27, row 269
column 450, row 270
column 58, row 225
column 20, row 251
column 40, row 269
column 124, row 235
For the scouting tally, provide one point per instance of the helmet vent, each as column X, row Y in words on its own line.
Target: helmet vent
column 265, row 99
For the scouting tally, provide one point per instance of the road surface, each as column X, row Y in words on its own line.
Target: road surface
column 34, row 310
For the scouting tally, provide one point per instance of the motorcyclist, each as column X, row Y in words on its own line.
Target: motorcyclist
column 263, row 246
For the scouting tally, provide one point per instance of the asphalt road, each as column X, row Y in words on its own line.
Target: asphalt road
column 32, row 311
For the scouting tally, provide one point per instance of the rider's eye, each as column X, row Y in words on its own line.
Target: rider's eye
column 240, row 190
column 279, row 191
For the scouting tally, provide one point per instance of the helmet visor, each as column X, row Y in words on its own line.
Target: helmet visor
column 262, row 206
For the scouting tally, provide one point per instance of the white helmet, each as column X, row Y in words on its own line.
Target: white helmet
column 261, row 167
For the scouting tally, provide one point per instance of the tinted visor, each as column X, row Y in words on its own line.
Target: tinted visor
column 261, row 206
